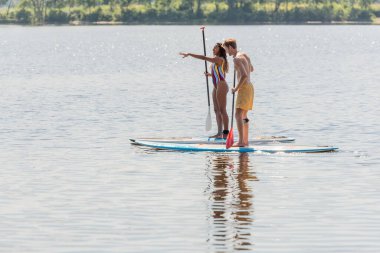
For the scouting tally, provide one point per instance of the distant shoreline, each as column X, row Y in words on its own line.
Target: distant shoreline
column 117, row 23
column 184, row 12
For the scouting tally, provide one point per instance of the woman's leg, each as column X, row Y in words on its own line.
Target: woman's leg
column 217, row 114
column 221, row 95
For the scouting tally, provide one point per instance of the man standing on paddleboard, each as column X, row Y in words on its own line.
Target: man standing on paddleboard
column 244, row 101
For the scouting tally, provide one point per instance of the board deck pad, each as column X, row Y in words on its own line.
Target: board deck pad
column 222, row 147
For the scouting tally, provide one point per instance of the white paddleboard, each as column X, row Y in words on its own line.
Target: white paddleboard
column 222, row 147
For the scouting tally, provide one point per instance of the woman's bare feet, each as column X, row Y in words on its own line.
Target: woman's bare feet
column 216, row 136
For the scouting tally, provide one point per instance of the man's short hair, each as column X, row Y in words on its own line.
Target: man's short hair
column 230, row 42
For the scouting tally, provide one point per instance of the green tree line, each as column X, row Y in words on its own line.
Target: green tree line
column 187, row 11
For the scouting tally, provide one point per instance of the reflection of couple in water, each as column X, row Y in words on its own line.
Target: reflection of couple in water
column 231, row 203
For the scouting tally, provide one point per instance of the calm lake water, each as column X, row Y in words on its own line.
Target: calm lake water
column 71, row 97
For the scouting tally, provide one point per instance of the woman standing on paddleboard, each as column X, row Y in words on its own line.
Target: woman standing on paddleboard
column 219, row 68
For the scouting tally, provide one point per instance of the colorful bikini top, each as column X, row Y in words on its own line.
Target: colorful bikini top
column 217, row 73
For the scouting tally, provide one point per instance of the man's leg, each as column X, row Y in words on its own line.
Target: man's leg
column 239, row 124
column 245, row 127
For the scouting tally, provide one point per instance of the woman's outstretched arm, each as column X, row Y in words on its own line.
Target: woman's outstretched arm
column 216, row 60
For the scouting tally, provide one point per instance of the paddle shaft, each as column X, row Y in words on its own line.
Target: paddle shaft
column 204, row 51
column 233, row 103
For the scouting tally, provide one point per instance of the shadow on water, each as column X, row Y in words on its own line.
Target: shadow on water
column 230, row 202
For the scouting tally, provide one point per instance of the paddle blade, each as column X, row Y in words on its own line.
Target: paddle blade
column 208, row 121
column 230, row 138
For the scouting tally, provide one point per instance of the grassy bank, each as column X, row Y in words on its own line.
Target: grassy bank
column 210, row 13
